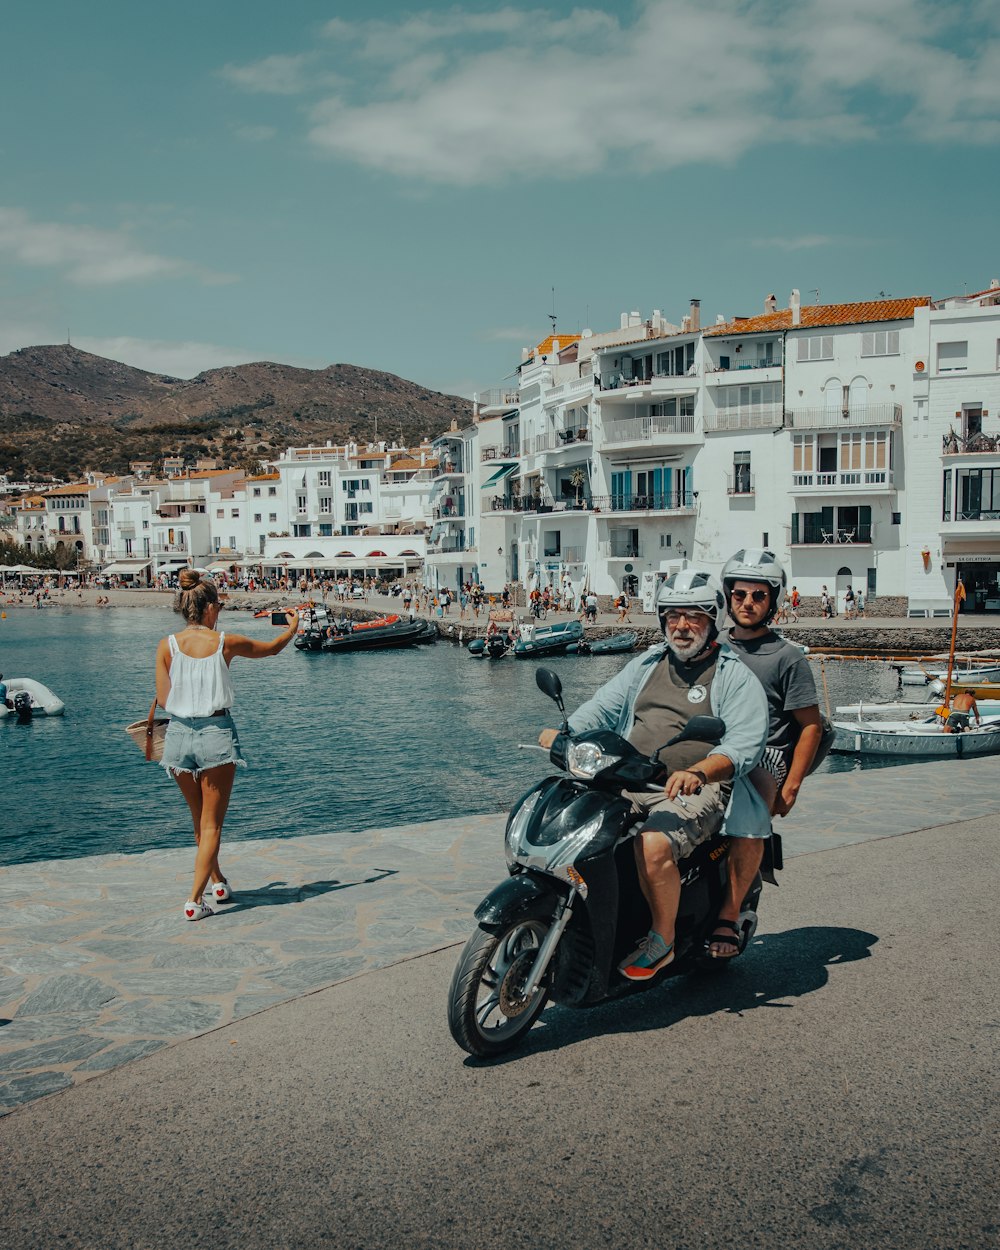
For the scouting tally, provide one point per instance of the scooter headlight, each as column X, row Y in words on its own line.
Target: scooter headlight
column 586, row 759
column 517, row 824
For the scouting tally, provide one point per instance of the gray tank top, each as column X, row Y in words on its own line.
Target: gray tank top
column 673, row 694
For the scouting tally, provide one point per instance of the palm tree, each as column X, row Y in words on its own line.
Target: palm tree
column 578, row 479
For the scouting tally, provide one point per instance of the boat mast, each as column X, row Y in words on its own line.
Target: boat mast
column 959, row 596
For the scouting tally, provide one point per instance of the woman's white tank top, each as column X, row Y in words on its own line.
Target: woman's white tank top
column 198, row 687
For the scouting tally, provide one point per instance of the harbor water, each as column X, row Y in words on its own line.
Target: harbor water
column 334, row 742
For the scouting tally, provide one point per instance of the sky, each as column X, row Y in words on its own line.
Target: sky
column 415, row 188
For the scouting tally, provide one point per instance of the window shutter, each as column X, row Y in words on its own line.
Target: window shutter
column 892, row 343
column 803, row 349
column 868, row 345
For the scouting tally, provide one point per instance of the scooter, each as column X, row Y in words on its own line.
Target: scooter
column 571, row 909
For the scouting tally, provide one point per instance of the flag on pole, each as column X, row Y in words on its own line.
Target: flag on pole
column 959, row 591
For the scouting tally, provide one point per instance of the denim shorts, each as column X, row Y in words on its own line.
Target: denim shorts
column 196, row 743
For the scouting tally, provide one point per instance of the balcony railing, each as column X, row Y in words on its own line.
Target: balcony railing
column 821, row 538
column 553, row 440
column 737, row 364
column 533, row 503
column 449, row 512
column 672, row 501
column 171, row 549
column 853, row 479
column 953, row 444
column 449, row 470
column 645, row 429
column 448, row 542
column 499, row 397
column 975, row 514
column 620, row 551
column 500, row 453
column 757, row 417
column 844, row 418
column 740, row 483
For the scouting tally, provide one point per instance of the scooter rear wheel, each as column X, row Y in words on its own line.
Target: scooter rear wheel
column 487, row 1013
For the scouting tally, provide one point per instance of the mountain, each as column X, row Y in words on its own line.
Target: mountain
column 63, row 411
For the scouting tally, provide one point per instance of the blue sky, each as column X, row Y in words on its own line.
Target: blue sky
column 401, row 186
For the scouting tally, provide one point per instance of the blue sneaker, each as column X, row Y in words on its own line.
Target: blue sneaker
column 648, row 958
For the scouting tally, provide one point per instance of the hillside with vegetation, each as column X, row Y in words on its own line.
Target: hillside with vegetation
column 64, row 411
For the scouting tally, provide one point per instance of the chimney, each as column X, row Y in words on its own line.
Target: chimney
column 771, row 304
column 695, row 314
column 796, row 307
column 685, row 324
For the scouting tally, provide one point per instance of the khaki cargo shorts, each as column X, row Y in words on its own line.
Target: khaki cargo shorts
column 686, row 821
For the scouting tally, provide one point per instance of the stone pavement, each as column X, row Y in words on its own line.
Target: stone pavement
column 98, row 966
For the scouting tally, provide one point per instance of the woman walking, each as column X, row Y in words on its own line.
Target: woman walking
column 202, row 749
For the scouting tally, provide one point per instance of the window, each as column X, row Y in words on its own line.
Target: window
column 946, row 496
column 301, row 506
column 880, row 343
column 897, row 518
column 220, row 513
column 816, row 347
column 235, row 513
column 366, row 507
column 256, row 492
column 325, row 529
column 742, row 481
column 326, row 503
column 324, row 477
column 764, row 539
column 145, row 525
column 952, row 357
column 272, row 491
column 551, row 543
column 272, row 516
column 232, row 542
column 257, row 518
column 302, row 531
column 666, row 540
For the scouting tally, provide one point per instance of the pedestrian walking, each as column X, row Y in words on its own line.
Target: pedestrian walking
column 201, row 750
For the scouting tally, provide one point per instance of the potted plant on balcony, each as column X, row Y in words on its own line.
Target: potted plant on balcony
column 578, row 479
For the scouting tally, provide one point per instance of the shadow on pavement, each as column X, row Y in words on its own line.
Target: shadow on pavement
column 277, row 892
column 776, row 966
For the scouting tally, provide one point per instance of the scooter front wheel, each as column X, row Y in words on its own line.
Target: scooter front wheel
column 488, row 1012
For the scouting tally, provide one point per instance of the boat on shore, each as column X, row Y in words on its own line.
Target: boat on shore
column 540, row 640
column 915, row 739
column 27, row 698
column 917, row 675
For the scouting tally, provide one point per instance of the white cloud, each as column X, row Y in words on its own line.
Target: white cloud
column 88, row 256
column 471, row 98
column 274, row 75
column 177, row 360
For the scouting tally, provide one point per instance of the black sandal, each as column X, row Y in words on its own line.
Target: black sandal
column 716, row 937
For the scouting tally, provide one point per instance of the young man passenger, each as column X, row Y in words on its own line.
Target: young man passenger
column 754, row 585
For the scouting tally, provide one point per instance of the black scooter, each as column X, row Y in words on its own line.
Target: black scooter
column 571, row 909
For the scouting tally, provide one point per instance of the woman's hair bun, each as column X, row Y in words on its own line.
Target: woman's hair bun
column 188, row 578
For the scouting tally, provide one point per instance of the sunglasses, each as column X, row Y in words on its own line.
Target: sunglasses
column 758, row 596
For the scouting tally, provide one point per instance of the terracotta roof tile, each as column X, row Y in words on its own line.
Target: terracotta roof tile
column 824, row 315
column 564, row 340
column 77, row 488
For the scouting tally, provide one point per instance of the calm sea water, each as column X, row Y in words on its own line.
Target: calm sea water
column 333, row 742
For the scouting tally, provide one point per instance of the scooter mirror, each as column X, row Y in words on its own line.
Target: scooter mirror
column 702, row 729
column 548, row 683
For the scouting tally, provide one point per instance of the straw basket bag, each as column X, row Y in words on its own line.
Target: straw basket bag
column 148, row 734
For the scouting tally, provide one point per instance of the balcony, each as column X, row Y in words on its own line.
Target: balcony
column 640, row 430
column 500, row 453
column 447, row 543
column 740, row 483
column 448, row 512
column 171, row 549
column 757, row 417
column 555, row 440
column 499, row 397
column 859, row 536
column 852, row 480
column 534, row 503
column 844, row 418
column 567, row 392
column 978, row 444
column 614, row 550
column 675, row 501
column 744, row 372
column 638, row 390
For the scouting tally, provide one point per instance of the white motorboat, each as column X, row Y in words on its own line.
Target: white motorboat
column 918, row 676
column 27, row 698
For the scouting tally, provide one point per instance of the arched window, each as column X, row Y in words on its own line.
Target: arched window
column 858, row 395
column 833, row 395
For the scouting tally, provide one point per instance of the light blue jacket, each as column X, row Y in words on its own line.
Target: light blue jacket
column 737, row 697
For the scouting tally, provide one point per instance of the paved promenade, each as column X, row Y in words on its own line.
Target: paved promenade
column 837, row 1088
column 98, row 967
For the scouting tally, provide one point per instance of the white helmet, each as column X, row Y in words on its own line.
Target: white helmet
column 691, row 588
column 756, row 564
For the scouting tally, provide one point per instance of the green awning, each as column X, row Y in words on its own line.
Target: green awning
column 498, row 476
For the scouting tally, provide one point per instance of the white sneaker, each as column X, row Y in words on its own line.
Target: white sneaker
column 219, row 891
column 197, row 911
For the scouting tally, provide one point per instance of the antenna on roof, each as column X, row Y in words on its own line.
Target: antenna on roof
column 815, row 291
column 552, row 314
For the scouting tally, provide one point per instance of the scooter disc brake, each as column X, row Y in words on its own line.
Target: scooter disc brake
column 512, row 999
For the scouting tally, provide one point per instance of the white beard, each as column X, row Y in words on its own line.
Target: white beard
column 688, row 650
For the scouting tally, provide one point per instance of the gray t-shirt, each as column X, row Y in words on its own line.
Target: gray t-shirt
column 783, row 671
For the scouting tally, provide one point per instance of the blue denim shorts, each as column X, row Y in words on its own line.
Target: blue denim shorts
column 194, row 744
